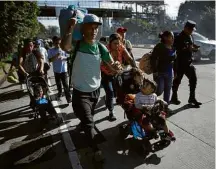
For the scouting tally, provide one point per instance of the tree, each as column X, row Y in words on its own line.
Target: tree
column 202, row 12
column 53, row 31
column 18, row 21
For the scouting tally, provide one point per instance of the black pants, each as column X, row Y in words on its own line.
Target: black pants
column 190, row 72
column 84, row 107
column 62, row 78
column 108, row 85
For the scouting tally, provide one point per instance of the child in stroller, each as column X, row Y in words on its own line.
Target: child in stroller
column 152, row 110
column 145, row 112
column 40, row 99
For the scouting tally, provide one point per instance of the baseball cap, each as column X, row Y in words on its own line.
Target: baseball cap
column 121, row 30
column 191, row 24
column 91, row 18
column 37, row 42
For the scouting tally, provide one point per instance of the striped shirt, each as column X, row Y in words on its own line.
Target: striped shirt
column 141, row 99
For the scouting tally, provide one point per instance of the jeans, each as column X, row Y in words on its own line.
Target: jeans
column 108, row 85
column 84, row 108
column 62, row 78
column 164, row 84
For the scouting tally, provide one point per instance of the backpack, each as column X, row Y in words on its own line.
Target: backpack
column 145, row 63
column 30, row 62
column 73, row 57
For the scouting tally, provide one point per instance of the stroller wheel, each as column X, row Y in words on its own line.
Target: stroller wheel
column 124, row 130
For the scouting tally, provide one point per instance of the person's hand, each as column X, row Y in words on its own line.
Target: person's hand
column 155, row 74
column 26, row 74
column 41, row 71
column 71, row 24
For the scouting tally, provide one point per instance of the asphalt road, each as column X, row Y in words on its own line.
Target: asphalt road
column 23, row 145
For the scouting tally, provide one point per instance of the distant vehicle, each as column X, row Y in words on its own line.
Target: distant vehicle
column 207, row 47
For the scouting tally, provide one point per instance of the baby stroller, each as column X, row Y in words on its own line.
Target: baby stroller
column 127, row 84
column 40, row 99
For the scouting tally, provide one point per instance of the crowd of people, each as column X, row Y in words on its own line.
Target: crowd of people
column 95, row 64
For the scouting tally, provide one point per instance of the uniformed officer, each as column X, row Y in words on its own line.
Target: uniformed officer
column 184, row 48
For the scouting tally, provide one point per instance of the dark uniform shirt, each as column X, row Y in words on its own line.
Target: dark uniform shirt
column 182, row 42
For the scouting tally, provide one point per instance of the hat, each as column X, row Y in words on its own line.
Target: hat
column 191, row 24
column 37, row 42
column 91, row 18
column 121, row 30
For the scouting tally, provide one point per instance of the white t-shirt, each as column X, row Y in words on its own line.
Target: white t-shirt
column 141, row 99
column 44, row 53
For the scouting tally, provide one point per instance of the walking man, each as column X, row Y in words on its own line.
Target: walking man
column 59, row 59
column 184, row 48
column 86, row 75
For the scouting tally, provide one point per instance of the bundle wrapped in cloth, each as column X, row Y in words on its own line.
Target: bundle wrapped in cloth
column 68, row 13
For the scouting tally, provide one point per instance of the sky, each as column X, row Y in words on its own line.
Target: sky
column 171, row 10
column 172, row 7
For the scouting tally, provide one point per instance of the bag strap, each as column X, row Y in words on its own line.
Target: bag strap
column 73, row 57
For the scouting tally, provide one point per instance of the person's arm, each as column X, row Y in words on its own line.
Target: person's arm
column 65, row 57
column 128, row 57
column 66, row 43
column 40, row 61
column 153, row 58
column 51, row 57
column 21, row 60
column 107, row 59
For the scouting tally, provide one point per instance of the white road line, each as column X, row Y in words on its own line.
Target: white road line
column 63, row 129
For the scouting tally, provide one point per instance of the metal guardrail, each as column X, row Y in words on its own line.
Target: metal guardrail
column 87, row 4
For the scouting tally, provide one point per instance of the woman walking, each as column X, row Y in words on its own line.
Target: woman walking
column 162, row 59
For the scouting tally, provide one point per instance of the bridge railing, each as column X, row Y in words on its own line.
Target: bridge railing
column 87, row 4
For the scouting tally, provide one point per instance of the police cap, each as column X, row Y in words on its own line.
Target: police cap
column 190, row 24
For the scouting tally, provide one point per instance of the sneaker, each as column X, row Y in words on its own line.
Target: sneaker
column 98, row 156
column 112, row 117
column 169, row 136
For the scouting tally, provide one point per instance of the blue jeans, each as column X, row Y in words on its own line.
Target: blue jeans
column 164, row 85
column 108, row 83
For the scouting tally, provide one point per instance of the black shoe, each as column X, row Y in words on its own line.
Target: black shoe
column 175, row 100
column 69, row 100
column 193, row 101
column 112, row 117
column 59, row 97
column 79, row 127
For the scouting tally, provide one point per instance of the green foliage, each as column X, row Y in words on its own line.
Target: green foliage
column 202, row 12
column 18, row 21
column 141, row 26
column 49, row 32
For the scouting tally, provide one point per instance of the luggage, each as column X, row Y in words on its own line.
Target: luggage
column 66, row 14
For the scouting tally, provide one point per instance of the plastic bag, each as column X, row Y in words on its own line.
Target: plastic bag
column 68, row 13
column 11, row 78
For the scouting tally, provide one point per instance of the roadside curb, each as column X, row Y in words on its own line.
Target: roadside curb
column 146, row 46
column 68, row 142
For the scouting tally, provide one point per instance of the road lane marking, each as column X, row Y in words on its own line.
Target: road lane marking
column 63, row 129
